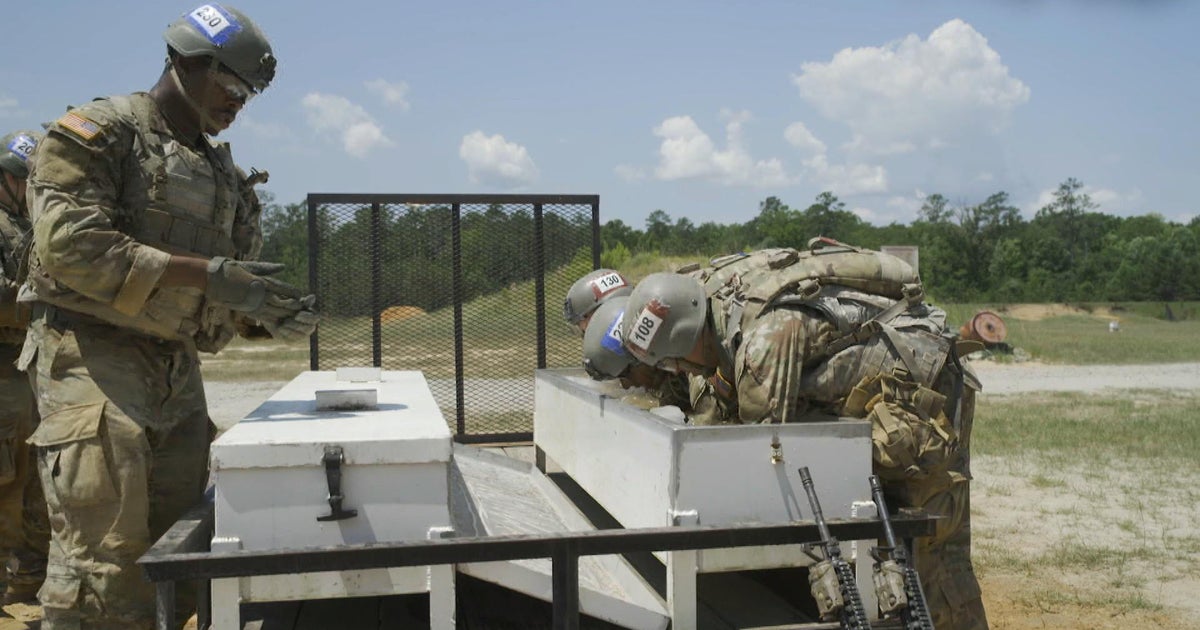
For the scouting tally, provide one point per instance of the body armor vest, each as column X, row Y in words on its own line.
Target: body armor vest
column 185, row 204
column 14, row 246
column 871, row 299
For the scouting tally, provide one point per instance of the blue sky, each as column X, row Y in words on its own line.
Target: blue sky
column 700, row 108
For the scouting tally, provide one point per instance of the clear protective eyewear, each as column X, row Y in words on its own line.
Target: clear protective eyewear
column 234, row 86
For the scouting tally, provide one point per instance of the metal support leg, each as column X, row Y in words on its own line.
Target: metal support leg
column 681, row 578
column 226, row 592
column 164, row 607
column 565, row 581
column 863, row 563
column 442, row 614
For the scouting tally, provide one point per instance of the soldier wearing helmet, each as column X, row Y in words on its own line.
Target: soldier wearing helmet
column 589, row 292
column 24, row 528
column 143, row 256
column 769, row 336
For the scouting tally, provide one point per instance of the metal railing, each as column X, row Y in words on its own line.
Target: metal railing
column 466, row 288
column 182, row 553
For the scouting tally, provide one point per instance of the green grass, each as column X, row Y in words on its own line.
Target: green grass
column 1155, row 425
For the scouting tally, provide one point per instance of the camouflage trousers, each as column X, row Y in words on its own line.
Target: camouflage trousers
column 24, row 530
column 944, row 559
column 123, row 452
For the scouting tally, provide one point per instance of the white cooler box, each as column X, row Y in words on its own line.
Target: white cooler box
column 273, row 484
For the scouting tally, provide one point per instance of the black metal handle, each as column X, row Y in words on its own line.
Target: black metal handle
column 333, row 475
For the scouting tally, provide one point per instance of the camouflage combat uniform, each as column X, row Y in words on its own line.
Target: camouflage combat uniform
column 124, row 438
column 785, row 352
column 24, row 530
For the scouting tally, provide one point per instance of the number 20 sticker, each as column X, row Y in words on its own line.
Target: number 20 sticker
column 215, row 23
column 22, row 146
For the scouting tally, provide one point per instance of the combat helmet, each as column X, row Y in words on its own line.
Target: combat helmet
column 228, row 36
column 664, row 317
column 592, row 290
column 16, row 149
column 604, row 353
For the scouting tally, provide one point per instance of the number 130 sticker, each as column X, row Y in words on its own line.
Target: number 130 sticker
column 607, row 282
column 22, row 146
column 215, row 23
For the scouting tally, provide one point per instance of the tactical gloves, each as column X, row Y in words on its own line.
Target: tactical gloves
column 242, row 286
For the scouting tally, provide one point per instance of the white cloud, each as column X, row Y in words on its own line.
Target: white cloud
column 687, row 152
column 847, row 179
column 800, row 137
column 1109, row 201
column 337, row 116
column 915, row 92
column 395, row 94
column 866, row 214
column 494, row 160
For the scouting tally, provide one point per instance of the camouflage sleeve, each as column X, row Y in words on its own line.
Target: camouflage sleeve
column 769, row 366
column 74, row 193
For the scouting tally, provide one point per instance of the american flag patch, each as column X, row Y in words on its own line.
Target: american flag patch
column 79, row 125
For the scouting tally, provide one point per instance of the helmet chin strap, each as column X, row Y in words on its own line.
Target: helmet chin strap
column 206, row 121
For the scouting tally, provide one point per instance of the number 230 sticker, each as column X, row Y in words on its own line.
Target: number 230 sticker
column 217, row 25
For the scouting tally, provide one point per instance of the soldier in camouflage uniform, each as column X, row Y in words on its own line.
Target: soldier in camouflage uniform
column 24, row 529
column 770, row 336
column 143, row 239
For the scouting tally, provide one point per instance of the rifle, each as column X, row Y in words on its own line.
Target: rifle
column 896, row 581
column 832, row 579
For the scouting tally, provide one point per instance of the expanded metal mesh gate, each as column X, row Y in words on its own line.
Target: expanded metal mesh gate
column 466, row 288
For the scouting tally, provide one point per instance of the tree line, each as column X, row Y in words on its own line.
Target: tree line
column 969, row 252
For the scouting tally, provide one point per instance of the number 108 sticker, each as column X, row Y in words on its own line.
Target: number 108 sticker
column 215, row 23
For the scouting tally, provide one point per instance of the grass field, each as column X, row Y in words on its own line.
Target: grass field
column 1084, row 509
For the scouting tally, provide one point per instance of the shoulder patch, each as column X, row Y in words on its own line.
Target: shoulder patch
column 80, row 125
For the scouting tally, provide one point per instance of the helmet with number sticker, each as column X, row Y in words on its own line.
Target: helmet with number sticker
column 227, row 35
column 17, row 151
column 604, row 353
column 664, row 317
column 590, row 292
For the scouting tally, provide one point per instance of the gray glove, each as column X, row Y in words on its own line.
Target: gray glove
column 298, row 326
column 241, row 286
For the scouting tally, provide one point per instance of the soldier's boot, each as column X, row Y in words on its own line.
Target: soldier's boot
column 26, row 572
column 21, row 592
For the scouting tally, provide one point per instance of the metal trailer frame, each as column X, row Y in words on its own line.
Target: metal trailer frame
column 182, row 553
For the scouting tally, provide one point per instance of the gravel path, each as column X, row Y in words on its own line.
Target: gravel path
column 1015, row 378
column 230, row 401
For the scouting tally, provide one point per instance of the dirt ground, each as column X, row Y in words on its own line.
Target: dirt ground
column 1007, row 507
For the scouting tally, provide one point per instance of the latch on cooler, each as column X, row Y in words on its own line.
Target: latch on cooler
column 333, row 475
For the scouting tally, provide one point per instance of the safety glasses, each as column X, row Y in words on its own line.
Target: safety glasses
column 236, row 88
